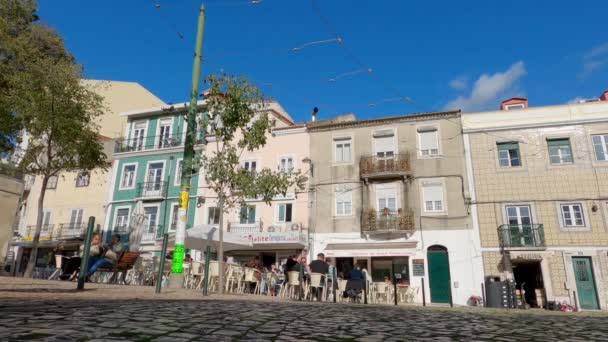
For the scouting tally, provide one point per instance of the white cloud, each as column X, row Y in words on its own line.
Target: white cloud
column 488, row 88
column 459, row 83
column 595, row 59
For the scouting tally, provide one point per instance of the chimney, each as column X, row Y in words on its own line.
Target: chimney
column 514, row 103
column 604, row 96
column 314, row 114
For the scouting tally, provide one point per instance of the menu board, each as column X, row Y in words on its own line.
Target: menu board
column 418, row 267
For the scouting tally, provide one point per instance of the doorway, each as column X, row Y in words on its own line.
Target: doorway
column 344, row 266
column 529, row 281
column 439, row 274
column 585, row 283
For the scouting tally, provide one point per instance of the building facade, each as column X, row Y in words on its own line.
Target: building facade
column 539, row 198
column 72, row 197
column 279, row 229
column 390, row 194
column 146, row 175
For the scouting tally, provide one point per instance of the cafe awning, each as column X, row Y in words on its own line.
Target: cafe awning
column 372, row 249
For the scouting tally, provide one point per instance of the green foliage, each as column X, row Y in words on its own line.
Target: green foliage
column 237, row 120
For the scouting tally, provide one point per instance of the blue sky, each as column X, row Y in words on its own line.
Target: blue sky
column 440, row 54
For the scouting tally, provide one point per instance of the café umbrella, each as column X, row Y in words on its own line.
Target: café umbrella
column 138, row 224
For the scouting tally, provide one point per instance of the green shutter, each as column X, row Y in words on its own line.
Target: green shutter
column 558, row 142
column 508, row 146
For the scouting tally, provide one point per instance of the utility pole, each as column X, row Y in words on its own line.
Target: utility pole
column 177, row 278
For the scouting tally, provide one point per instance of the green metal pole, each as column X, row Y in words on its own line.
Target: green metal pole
column 161, row 267
column 206, row 280
column 84, row 262
column 180, row 234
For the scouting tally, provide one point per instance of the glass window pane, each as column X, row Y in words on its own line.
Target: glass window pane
column 281, row 212
column 288, row 210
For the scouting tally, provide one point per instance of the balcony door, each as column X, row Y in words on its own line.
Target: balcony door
column 386, row 198
column 75, row 220
column 519, row 218
column 137, row 136
column 154, row 179
column 384, row 144
column 164, row 139
column 151, row 214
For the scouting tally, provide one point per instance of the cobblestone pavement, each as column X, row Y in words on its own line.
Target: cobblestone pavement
column 111, row 313
column 229, row 320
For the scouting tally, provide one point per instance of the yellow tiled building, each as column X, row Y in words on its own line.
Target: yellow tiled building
column 72, row 197
column 540, row 198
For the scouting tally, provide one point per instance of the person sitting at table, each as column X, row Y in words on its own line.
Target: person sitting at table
column 290, row 264
column 321, row 267
column 354, row 285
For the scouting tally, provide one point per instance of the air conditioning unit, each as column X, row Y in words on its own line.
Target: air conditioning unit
column 296, row 227
column 272, row 229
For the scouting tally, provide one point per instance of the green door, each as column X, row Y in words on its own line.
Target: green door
column 439, row 274
column 585, row 283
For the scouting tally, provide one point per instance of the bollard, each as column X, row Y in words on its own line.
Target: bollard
column 161, row 267
column 423, row 293
column 206, row 280
column 335, row 285
column 450, row 293
column 301, row 276
column 483, row 295
column 84, row 262
column 394, row 283
column 365, row 290
column 575, row 301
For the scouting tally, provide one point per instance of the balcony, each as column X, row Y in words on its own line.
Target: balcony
column 522, row 236
column 121, row 230
column 151, row 190
column 46, row 232
column 151, row 233
column 71, row 230
column 123, row 145
column 375, row 167
column 245, row 228
column 387, row 222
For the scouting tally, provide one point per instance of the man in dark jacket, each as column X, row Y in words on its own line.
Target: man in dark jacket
column 319, row 266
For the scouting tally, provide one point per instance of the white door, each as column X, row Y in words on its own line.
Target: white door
column 137, row 137
column 386, row 197
column 154, row 180
column 164, row 139
column 520, row 225
column 46, row 222
column 75, row 221
column 384, row 144
column 151, row 214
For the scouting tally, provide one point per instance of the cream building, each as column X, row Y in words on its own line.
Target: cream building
column 540, row 198
column 277, row 230
column 72, row 197
column 390, row 194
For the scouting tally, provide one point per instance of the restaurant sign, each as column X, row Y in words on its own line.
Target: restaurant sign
column 275, row 237
column 367, row 252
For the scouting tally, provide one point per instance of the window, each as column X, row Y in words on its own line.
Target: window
column 164, row 139
column 432, row 195
column 46, row 219
column 384, row 143
column 560, row 151
column 122, row 219
column 76, row 218
column 600, row 146
column 250, row 165
column 343, row 149
column 128, row 176
column 508, row 154
column 515, row 106
column 178, row 171
column 151, row 214
column 386, row 197
column 137, row 136
column 213, row 216
column 247, row 214
column 428, row 140
column 344, row 201
column 82, row 179
column 52, row 182
column 174, row 217
column 572, row 215
column 284, row 212
column 286, row 164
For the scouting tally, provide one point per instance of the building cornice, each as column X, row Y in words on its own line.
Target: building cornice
column 466, row 130
column 383, row 121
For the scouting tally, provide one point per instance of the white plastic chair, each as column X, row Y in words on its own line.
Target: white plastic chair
column 197, row 273
column 214, row 274
column 293, row 281
column 251, row 276
column 382, row 290
column 315, row 282
column 341, row 288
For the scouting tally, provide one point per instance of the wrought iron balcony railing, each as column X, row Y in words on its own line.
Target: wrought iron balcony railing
column 151, row 233
column 46, row 232
column 151, row 190
column 397, row 165
column 121, row 229
column 148, row 143
column 387, row 221
column 521, row 236
column 71, row 230
column 244, row 228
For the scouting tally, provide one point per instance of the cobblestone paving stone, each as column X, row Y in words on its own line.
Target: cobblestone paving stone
column 235, row 319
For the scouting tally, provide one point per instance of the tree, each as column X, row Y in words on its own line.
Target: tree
column 47, row 99
column 237, row 120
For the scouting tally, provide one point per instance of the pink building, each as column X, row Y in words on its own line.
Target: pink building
column 281, row 228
